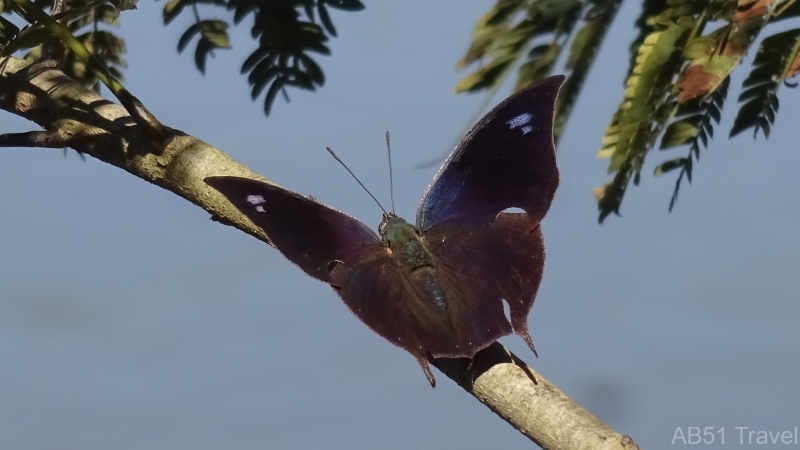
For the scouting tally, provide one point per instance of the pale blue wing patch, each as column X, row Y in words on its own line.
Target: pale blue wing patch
column 256, row 200
column 521, row 121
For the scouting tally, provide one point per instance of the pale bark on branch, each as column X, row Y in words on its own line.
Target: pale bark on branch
column 74, row 116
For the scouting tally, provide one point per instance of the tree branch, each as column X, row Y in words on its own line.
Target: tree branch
column 76, row 116
column 41, row 139
column 148, row 122
column 531, row 404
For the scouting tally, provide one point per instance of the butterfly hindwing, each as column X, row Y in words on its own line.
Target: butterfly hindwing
column 481, row 267
column 381, row 294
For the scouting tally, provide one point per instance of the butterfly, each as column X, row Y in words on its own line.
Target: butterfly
column 435, row 288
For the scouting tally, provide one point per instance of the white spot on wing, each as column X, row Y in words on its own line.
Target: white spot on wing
column 255, row 199
column 260, row 209
column 521, row 121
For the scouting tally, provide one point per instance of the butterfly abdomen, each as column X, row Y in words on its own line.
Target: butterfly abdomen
column 425, row 279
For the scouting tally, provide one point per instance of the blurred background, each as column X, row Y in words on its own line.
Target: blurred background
column 129, row 320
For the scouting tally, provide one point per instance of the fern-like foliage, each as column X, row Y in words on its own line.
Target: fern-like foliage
column 8, row 31
column 287, row 32
column 646, row 103
column 702, row 87
column 694, row 127
column 676, row 84
column 529, row 32
column 645, row 24
column 531, row 35
column 213, row 35
column 776, row 61
column 583, row 50
column 90, row 21
column 696, row 96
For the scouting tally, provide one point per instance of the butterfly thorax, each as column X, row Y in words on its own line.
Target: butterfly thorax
column 405, row 244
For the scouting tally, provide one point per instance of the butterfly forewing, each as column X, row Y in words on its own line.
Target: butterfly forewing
column 506, row 161
column 308, row 233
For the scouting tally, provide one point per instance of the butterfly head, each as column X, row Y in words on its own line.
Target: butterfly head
column 395, row 229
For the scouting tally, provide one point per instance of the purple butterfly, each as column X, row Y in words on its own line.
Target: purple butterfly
column 436, row 288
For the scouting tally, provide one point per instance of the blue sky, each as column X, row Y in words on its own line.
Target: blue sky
column 129, row 320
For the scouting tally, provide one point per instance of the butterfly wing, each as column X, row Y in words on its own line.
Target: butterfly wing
column 308, row 233
column 379, row 292
column 506, row 161
column 338, row 249
column 504, row 261
column 479, row 267
column 484, row 256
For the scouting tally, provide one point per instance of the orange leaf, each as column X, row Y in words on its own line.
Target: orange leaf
column 749, row 9
column 695, row 83
column 795, row 67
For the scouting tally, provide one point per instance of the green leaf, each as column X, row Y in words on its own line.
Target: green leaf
column 644, row 109
column 669, row 166
column 713, row 57
column 786, row 10
column 499, row 40
column 582, row 53
column 485, row 77
column 694, row 127
column 29, row 37
column 276, row 87
column 313, row 70
column 261, row 82
column 325, row 18
column 241, row 11
column 88, row 14
column 204, row 47
column 644, row 93
column 257, row 55
column 8, row 31
column 345, row 5
column 172, row 9
column 213, row 35
column 775, row 61
column 187, row 36
column 286, row 35
column 679, row 133
column 215, row 32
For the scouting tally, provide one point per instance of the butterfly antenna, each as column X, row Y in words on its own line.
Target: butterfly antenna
column 391, row 178
column 355, row 177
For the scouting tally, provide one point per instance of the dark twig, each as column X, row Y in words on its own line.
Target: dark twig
column 55, row 50
column 46, row 139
